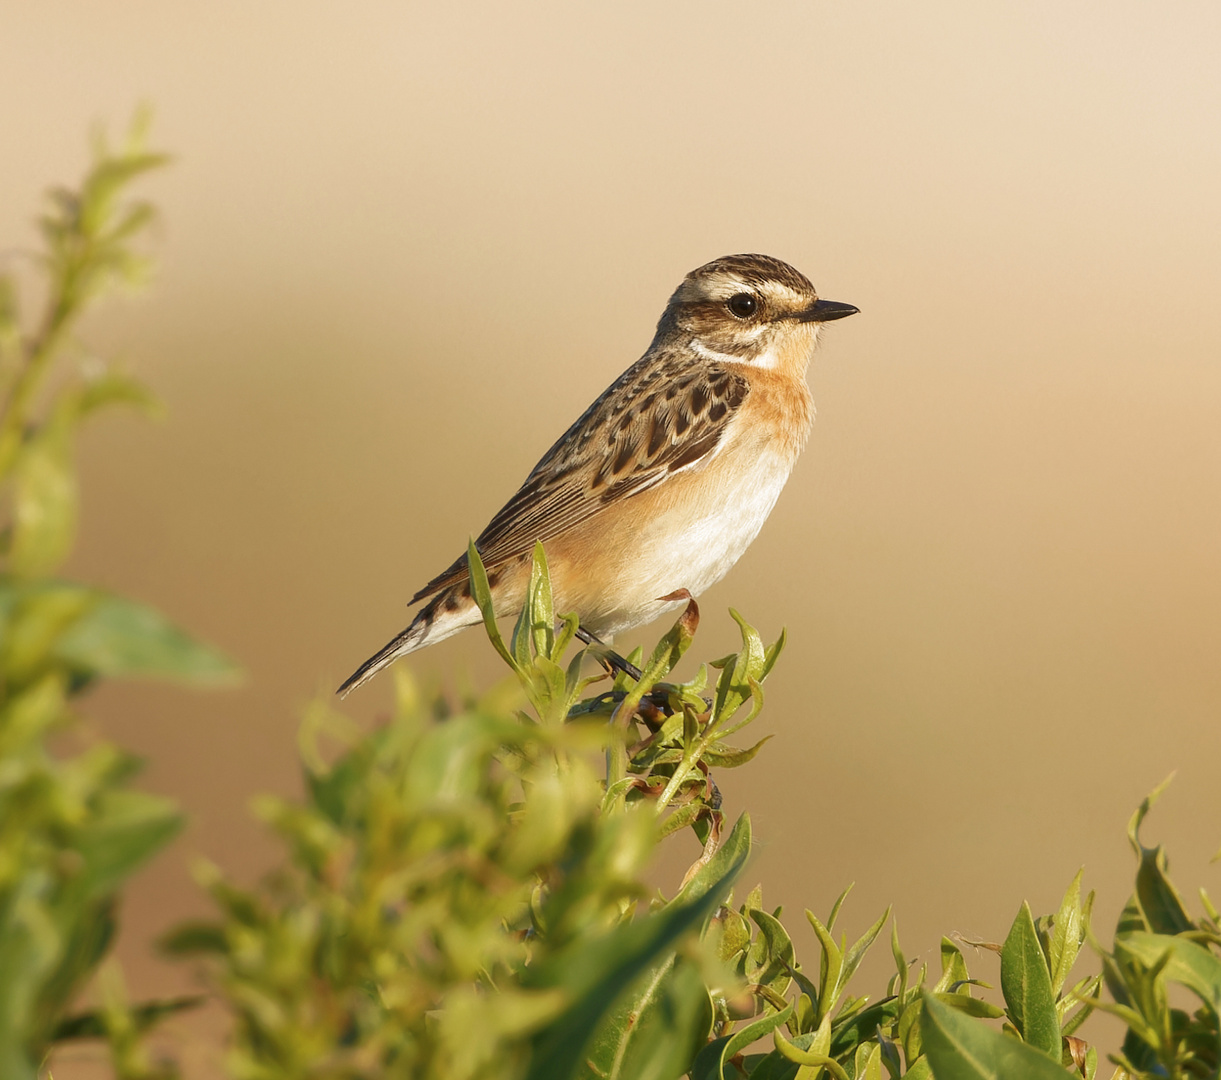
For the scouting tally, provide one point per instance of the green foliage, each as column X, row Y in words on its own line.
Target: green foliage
column 1156, row 943
column 465, row 894
column 465, row 898
column 72, row 830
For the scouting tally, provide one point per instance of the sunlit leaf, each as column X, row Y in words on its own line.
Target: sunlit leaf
column 1066, row 935
column 1026, row 984
column 44, row 504
column 597, row 972
column 120, row 638
column 960, row 1047
column 711, row 1062
column 655, row 1031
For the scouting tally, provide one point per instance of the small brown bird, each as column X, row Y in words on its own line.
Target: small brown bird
column 664, row 481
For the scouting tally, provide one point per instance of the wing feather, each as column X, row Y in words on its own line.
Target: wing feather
column 659, row 417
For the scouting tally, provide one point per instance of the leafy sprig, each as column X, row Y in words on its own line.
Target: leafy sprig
column 72, row 828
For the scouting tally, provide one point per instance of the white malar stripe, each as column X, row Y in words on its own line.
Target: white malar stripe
column 701, row 350
column 766, row 359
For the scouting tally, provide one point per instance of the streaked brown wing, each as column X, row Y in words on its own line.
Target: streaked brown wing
column 659, row 417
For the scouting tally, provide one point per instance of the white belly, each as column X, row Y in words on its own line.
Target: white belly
column 694, row 546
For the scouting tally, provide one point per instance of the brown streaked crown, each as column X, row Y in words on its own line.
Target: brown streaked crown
column 701, row 308
column 754, row 271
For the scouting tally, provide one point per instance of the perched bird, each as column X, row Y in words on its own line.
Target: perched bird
column 664, row 481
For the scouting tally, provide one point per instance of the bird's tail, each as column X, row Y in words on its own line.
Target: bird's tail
column 446, row 614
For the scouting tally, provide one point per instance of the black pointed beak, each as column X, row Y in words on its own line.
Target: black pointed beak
column 826, row 311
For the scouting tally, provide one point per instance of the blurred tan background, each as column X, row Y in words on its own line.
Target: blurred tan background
column 404, row 245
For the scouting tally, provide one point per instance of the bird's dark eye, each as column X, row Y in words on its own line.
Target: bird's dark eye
column 743, row 305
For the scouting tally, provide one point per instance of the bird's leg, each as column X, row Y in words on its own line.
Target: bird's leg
column 656, row 703
column 611, row 658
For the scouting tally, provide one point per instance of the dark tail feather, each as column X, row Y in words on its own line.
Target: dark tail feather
column 407, row 641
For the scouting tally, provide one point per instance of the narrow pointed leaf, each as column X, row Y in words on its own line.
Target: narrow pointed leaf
column 959, row 1047
column 1066, row 935
column 711, row 1062
column 482, row 594
column 1026, row 984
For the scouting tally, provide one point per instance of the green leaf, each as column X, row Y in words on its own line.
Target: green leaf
column 1026, row 984
column 1185, row 962
column 44, row 503
column 724, row 865
column 194, row 938
column 854, row 956
column 771, row 959
column 969, row 1005
column 771, row 654
column 664, row 657
column 681, row 818
column 118, row 638
column 867, row 1062
column 93, row 633
column 534, row 631
column 830, row 964
column 656, row 1030
column 116, row 388
column 1066, row 936
column 839, row 903
column 596, row 972
column 959, row 1047
column 814, row 1059
column 70, row 935
column 858, row 1027
column 734, row 937
column 733, row 686
column 902, row 968
column 126, row 830
column 1130, row 918
column 710, row 1063
column 730, row 757
column 953, row 968
column 33, row 617
column 675, row 642
column 481, row 591
column 1162, row 908
column 92, row 1024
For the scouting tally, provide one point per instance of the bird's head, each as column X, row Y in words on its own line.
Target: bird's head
column 751, row 310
